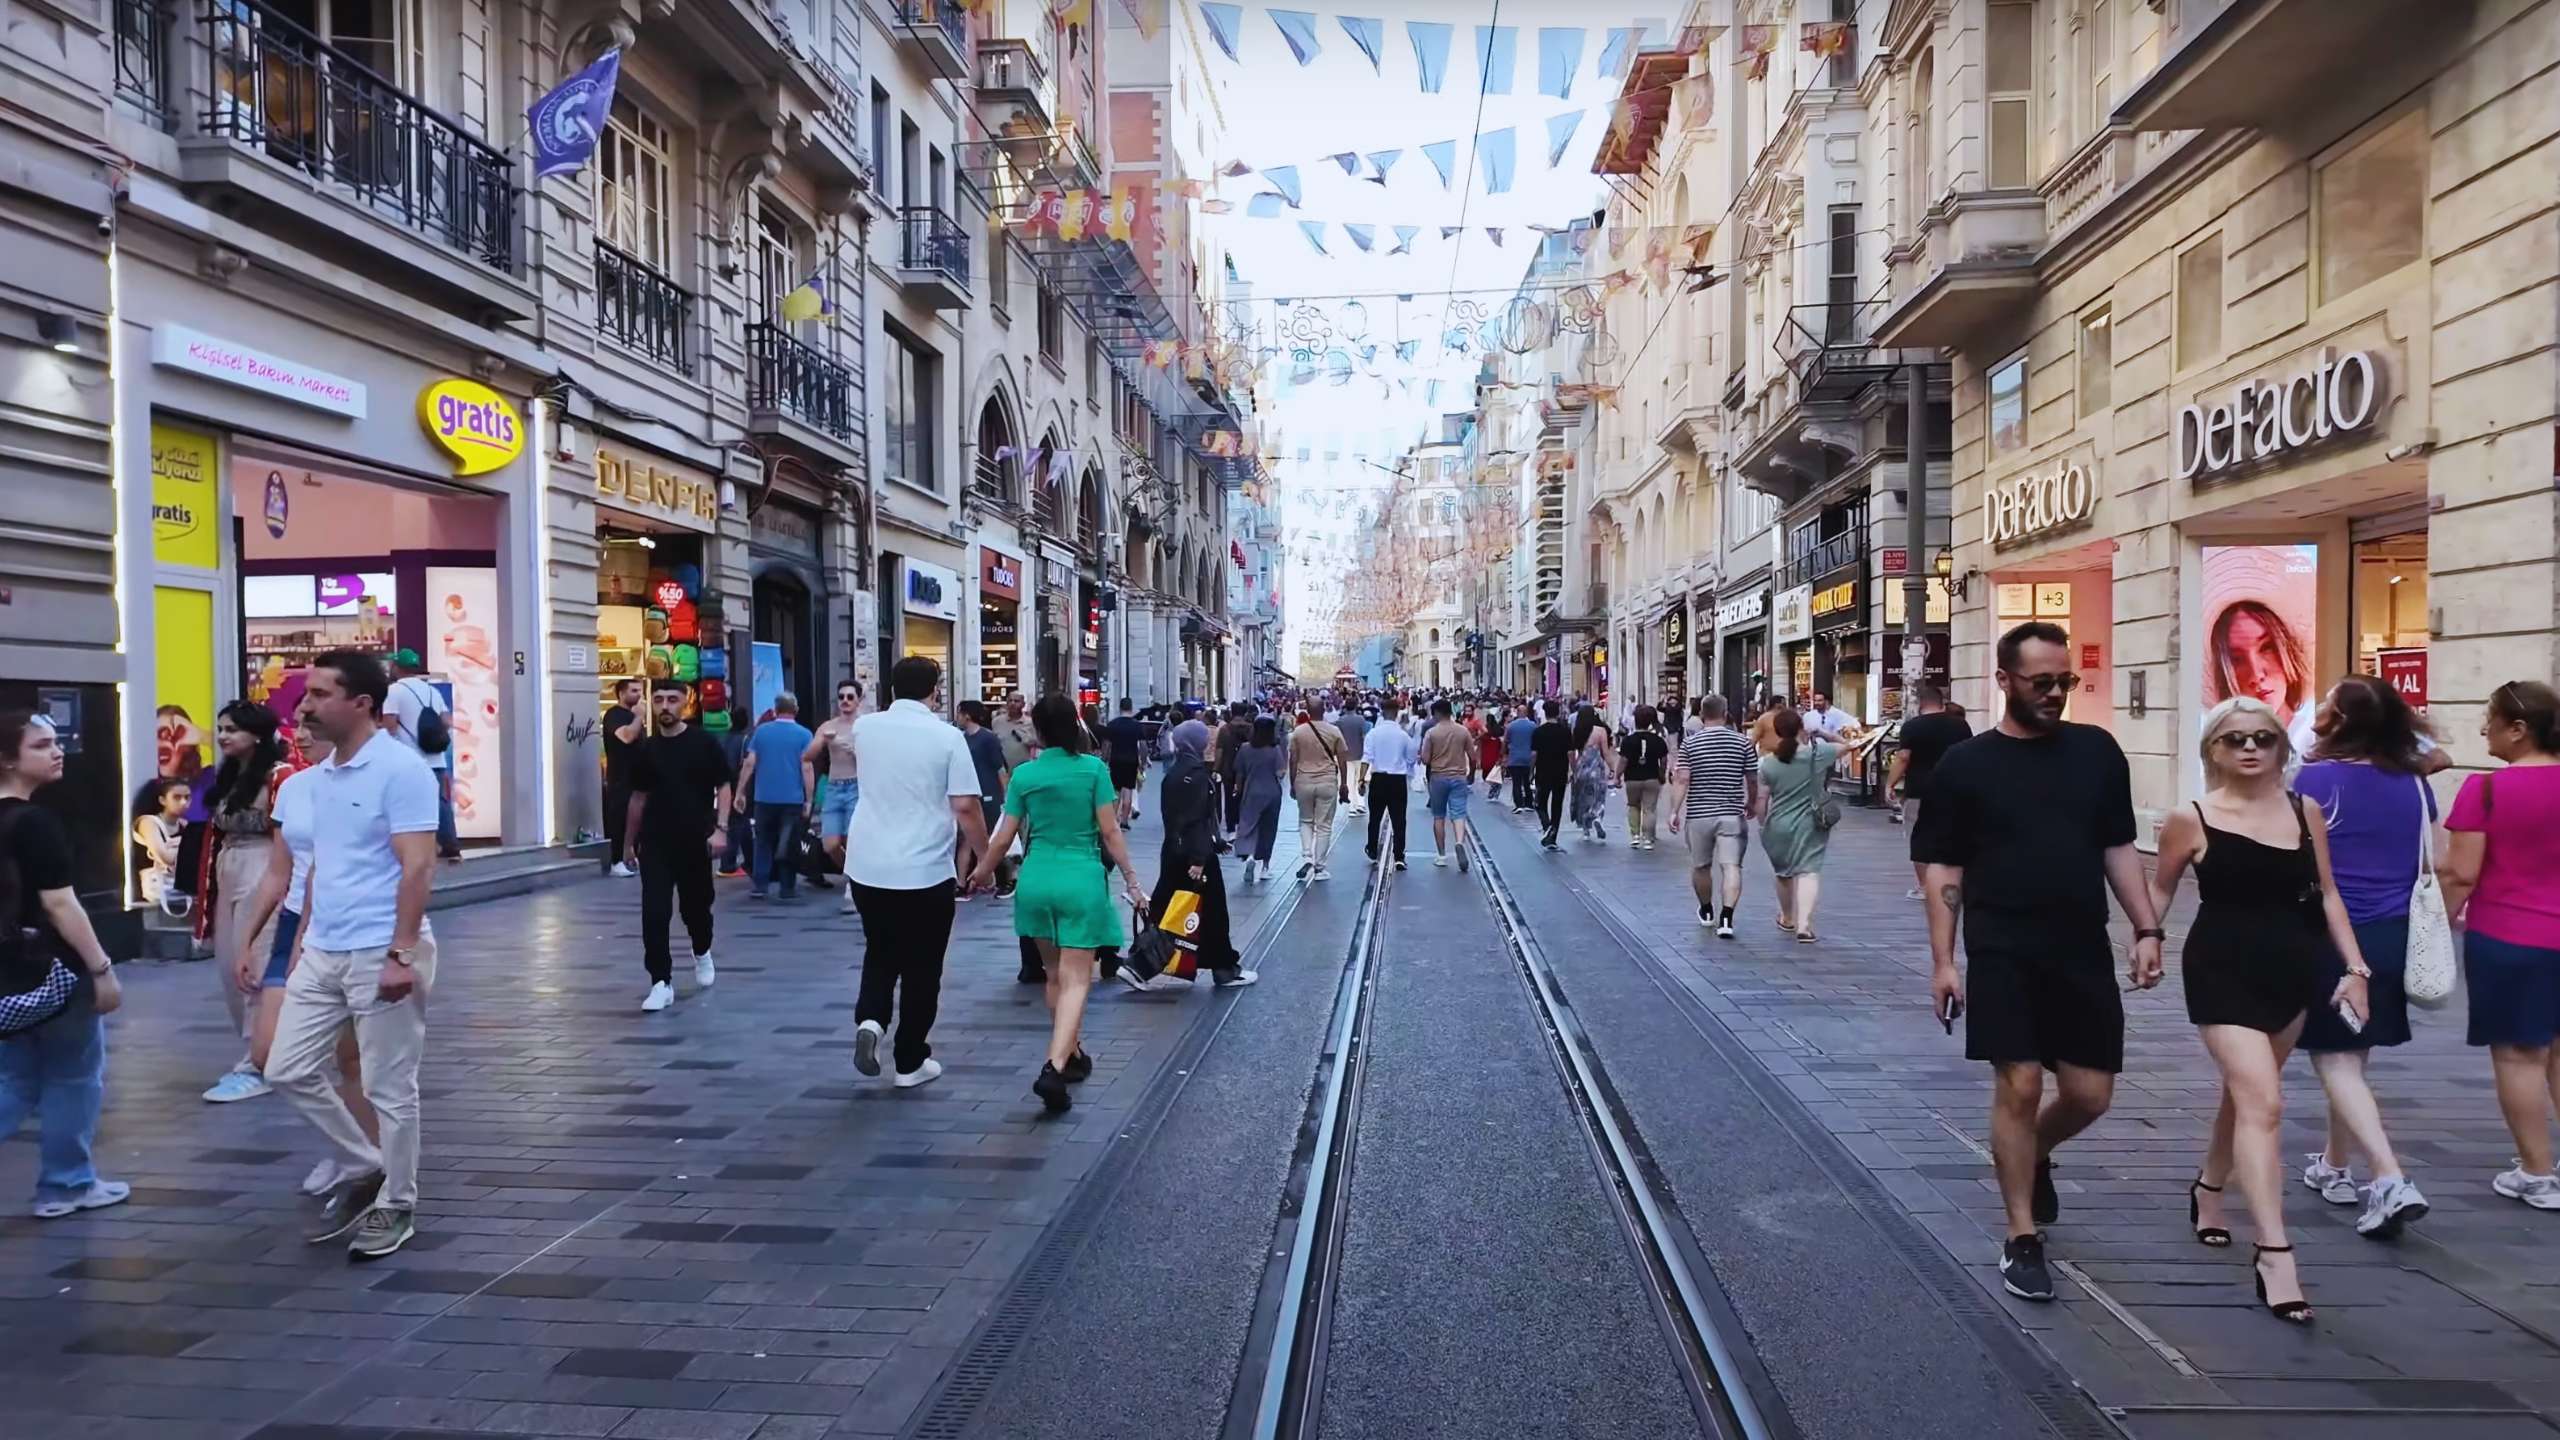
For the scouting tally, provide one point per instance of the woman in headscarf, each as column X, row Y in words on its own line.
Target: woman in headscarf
column 1258, row 823
column 1190, row 807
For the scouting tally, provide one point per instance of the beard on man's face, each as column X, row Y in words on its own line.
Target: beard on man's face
column 2031, row 710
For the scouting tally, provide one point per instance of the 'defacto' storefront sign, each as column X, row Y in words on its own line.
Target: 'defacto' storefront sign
column 2264, row 418
column 2034, row 505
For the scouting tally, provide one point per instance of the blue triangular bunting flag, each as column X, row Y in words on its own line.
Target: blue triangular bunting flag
column 1298, row 27
column 1404, row 245
column 1265, row 205
column 1430, row 52
column 1349, row 160
column 1284, row 178
column 1560, row 130
column 1314, row 231
column 1614, row 52
column 1370, row 35
column 1495, row 50
column 1225, row 23
column 1559, row 57
column 1443, row 155
column 1382, row 161
column 1361, row 235
column 1496, row 150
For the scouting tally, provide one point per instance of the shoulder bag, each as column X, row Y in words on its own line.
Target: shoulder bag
column 1826, row 808
column 2430, row 955
column 35, row 986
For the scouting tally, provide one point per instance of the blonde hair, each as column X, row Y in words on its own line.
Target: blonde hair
column 2240, row 705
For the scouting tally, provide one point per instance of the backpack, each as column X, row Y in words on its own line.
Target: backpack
column 434, row 736
column 35, row 986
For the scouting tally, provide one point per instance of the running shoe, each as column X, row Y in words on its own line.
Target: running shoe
column 704, row 972
column 866, row 1047
column 1320, row 873
column 1440, row 862
column 924, row 1074
column 2022, row 1268
column 322, row 1176
column 2047, row 1204
column 2334, row 1183
column 1079, row 1067
column 343, row 1208
column 1401, row 865
column 99, row 1195
column 661, row 995
column 1051, row 1087
column 238, row 1085
column 622, row 870
column 382, row 1230
column 2542, row 1192
column 1462, row 860
column 1706, row 917
column 2390, row 1205
column 1229, row 980
column 1724, row 930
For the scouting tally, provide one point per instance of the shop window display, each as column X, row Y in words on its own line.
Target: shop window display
column 649, row 624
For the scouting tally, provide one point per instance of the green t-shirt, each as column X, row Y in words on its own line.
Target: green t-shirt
column 1055, row 796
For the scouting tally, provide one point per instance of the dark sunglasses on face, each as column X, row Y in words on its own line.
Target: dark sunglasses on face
column 2050, row 684
column 2248, row 740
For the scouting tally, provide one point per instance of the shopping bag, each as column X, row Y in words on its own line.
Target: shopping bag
column 1165, row 947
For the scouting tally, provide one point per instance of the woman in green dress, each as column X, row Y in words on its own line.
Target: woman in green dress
column 1797, row 779
column 1062, row 804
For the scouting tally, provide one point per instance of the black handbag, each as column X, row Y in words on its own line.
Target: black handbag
column 1151, row 951
column 35, row 986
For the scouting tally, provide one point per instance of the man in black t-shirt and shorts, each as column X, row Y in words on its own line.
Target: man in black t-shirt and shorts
column 2028, row 826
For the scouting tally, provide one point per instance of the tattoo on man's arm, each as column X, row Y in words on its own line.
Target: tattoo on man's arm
column 1952, row 896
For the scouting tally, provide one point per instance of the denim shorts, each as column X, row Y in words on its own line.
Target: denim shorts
column 1449, row 796
column 2515, row 991
column 280, row 954
column 837, row 815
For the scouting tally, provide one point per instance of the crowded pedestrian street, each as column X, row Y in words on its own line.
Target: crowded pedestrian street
column 704, row 1222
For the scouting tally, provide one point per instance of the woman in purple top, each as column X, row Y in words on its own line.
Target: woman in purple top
column 2504, row 864
column 2367, row 776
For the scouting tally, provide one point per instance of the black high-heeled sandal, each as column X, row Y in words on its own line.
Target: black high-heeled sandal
column 2212, row 1235
column 2292, row 1312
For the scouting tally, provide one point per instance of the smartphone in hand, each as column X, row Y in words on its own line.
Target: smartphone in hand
column 1948, row 1013
column 2354, row 1022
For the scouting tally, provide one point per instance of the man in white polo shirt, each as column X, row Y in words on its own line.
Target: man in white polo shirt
column 367, row 955
column 919, row 798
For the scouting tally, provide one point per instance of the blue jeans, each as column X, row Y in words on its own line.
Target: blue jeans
column 777, row 847
column 835, row 807
column 448, row 839
column 59, row 1071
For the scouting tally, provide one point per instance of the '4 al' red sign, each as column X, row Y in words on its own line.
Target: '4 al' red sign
column 2406, row 672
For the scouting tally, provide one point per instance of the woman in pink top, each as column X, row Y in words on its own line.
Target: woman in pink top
column 2503, row 864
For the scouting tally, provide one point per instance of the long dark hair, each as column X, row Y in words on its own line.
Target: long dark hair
column 1266, row 731
column 239, row 782
column 1054, row 720
column 2366, row 719
column 1586, row 720
column 1790, row 728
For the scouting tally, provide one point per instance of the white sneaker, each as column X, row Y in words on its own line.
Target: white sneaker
column 661, row 995
column 1242, row 977
column 1321, row 873
column 622, row 870
column 1724, row 930
column 1439, row 862
column 238, row 1085
column 704, row 973
column 866, row 1047
column 2542, row 1192
column 322, row 1179
column 2388, row 1206
column 2334, row 1183
column 924, row 1074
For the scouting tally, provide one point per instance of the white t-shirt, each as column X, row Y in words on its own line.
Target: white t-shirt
column 410, row 697
column 357, row 804
column 913, row 764
column 293, row 821
column 1827, row 723
column 1392, row 750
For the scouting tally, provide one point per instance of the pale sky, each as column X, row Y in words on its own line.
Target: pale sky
column 1279, row 114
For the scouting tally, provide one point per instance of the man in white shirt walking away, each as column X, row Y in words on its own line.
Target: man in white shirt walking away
column 367, row 955
column 919, row 802
column 414, row 697
column 1388, row 755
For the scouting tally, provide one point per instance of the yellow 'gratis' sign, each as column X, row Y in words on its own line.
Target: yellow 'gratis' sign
column 472, row 423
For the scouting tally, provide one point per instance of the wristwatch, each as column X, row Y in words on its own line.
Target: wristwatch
column 397, row 955
column 2150, row 934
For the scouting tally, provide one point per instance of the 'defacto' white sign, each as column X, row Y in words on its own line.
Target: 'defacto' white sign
column 2031, row 505
column 2266, row 418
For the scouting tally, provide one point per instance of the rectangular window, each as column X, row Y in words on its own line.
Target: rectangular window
column 1093, row 374
column 1841, row 283
column 906, row 410
column 2102, row 65
column 2097, row 361
column 2009, row 72
column 1053, row 327
column 2371, row 205
column 880, row 156
column 633, row 210
column 910, row 163
column 2007, row 427
column 999, row 273
column 778, row 270
column 2200, row 302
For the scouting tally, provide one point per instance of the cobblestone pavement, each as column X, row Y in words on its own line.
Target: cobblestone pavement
column 2454, row 1330
column 696, row 1225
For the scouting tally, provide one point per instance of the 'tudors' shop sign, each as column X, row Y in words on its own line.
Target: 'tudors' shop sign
column 2265, row 419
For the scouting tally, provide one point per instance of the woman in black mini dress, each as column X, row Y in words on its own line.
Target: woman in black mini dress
column 2253, row 965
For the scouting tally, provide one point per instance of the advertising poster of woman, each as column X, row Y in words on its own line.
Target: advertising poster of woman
column 2261, row 608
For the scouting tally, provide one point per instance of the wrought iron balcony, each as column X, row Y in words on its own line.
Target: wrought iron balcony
column 1831, row 350
column 274, row 86
column 142, row 51
column 786, row 377
column 1849, row 547
column 1010, row 74
column 938, row 30
column 933, row 257
column 642, row 310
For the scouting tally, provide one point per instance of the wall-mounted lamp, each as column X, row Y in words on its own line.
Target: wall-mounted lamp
column 1956, row 585
column 59, row 331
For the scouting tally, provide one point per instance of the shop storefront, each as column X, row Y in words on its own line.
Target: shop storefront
column 656, row 614
column 1838, row 608
column 1092, row 603
column 928, row 613
column 1000, row 638
column 1791, row 631
column 1671, row 681
column 1742, row 638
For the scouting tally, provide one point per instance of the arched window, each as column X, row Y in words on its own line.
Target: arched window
column 1044, row 484
column 991, row 478
column 1435, row 639
column 1088, row 536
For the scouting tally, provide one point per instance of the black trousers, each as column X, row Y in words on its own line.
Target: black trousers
column 1231, row 796
column 1552, row 785
column 904, row 935
column 617, row 815
column 673, row 874
column 1215, row 937
column 1387, row 795
column 1523, row 789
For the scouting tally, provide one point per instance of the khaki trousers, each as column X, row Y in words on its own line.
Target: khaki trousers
column 330, row 988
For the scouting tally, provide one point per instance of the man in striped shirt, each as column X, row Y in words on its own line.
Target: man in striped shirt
column 1714, row 789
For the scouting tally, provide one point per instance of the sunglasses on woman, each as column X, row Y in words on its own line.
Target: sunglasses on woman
column 2248, row 739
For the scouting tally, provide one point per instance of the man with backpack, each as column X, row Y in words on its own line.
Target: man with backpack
column 418, row 713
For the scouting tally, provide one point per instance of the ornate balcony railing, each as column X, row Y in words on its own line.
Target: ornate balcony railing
column 798, row 380
column 271, row 84
column 931, row 240
column 946, row 14
column 642, row 310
